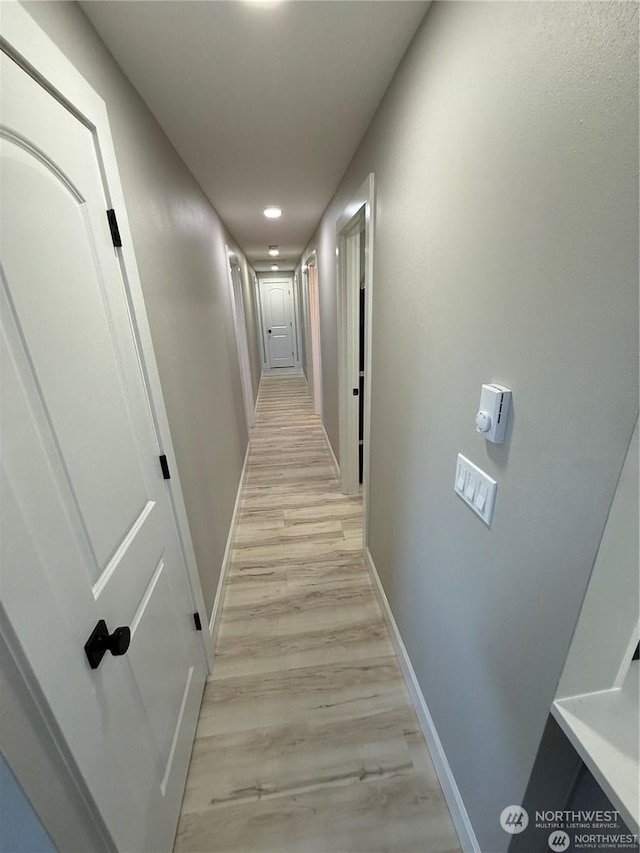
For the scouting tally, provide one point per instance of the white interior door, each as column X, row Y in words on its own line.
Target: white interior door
column 277, row 312
column 88, row 531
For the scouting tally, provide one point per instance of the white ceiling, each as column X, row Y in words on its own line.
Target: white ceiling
column 265, row 102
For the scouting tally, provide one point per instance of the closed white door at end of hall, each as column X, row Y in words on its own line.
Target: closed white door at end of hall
column 277, row 314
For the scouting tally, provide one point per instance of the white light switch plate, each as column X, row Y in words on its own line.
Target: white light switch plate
column 477, row 489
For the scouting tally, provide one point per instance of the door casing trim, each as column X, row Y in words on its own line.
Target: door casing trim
column 315, row 345
column 362, row 200
column 242, row 343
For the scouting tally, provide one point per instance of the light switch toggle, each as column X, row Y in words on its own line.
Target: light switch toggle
column 480, row 499
column 477, row 489
column 470, row 491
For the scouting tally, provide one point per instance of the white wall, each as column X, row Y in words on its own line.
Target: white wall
column 180, row 247
column 505, row 153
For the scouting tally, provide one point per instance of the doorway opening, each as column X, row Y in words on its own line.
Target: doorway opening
column 314, row 363
column 354, row 233
column 242, row 344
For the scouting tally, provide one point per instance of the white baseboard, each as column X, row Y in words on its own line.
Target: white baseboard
column 334, row 461
column 450, row 789
column 226, row 560
column 282, row 371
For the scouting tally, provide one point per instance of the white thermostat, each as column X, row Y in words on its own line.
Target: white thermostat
column 491, row 420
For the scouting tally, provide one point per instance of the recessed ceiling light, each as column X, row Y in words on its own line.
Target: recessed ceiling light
column 272, row 212
column 274, row 251
column 275, row 267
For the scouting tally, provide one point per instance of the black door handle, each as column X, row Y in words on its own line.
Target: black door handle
column 269, row 331
column 101, row 641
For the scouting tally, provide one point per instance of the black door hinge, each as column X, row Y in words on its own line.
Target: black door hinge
column 113, row 227
column 197, row 622
column 356, row 391
column 165, row 467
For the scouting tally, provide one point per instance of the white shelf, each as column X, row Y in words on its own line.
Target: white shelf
column 604, row 729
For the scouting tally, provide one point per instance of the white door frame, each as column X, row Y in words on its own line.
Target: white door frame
column 242, row 344
column 259, row 323
column 313, row 314
column 347, row 229
column 297, row 314
column 279, row 371
column 24, row 41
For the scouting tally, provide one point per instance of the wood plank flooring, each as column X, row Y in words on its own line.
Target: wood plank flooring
column 307, row 740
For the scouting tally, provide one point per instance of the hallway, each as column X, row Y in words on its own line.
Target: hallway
column 429, row 210
column 307, row 740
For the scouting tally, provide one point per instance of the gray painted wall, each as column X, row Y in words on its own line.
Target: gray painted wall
column 505, row 153
column 180, row 246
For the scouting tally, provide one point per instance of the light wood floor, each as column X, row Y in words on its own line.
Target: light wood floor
column 307, row 740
